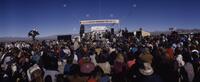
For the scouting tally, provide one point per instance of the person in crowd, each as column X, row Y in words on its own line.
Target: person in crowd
column 75, row 77
column 119, row 69
column 147, row 74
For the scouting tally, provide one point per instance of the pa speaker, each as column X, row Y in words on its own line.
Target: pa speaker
column 82, row 30
column 64, row 37
column 112, row 30
column 138, row 33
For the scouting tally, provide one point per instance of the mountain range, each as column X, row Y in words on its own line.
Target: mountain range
column 54, row 37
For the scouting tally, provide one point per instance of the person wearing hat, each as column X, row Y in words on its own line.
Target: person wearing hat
column 189, row 68
column 34, row 73
column 147, row 74
column 146, row 56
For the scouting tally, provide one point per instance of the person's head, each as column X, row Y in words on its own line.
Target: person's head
column 179, row 60
column 48, row 78
column 120, row 57
column 91, row 51
column 14, row 67
column 178, row 51
column 195, row 54
column 146, row 51
column 60, row 78
column 69, row 61
column 86, row 59
column 187, row 58
column 75, row 69
column 59, row 62
column 36, row 76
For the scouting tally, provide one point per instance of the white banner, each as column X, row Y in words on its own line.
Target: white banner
column 110, row 21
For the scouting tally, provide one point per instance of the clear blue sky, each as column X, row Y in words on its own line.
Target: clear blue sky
column 54, row 17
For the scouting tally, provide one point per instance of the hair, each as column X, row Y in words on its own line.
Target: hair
column 48, row 78
column 69, row 61
column 60, row 78
column 75, row 69
column 178, row 51
column 37, row 76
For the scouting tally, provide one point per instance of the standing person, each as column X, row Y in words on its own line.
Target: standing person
column 182, row 74
column 189, row 68
column 196, row 64
column 75, row 77
column 53, row 71
column 119, row 69
column 11, row 74
column 76, row 44
column 34, row 74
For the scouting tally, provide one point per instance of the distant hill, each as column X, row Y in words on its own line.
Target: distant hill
column 54, row 37
column 8, row 39
column 182, row 31
column 188, row 30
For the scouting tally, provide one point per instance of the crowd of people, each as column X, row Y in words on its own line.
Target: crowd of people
column 163, row 58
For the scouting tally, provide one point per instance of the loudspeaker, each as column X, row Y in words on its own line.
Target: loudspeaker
column 129, row 34
column 112, row 30
column 82, row 30
column 138, row 34
column 64, row 37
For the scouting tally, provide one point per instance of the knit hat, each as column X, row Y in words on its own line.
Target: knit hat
column 146, row 57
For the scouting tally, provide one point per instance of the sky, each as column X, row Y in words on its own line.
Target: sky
column 55, row 17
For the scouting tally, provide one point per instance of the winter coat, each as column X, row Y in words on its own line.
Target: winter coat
column 190, row 71
column 150, row 78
